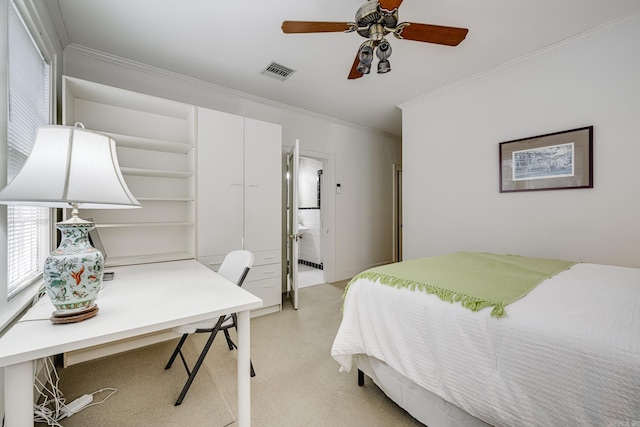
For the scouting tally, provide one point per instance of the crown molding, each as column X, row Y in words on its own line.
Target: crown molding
column 181, row 78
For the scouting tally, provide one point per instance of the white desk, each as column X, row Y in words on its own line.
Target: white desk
column 141, row 299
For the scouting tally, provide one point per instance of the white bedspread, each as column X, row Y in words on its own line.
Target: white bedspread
column 567, row 354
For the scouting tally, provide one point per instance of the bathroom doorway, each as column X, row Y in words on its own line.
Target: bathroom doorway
column 312, row 221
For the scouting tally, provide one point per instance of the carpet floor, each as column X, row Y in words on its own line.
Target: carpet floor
column 297, row 383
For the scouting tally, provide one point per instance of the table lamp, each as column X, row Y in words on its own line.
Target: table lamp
column 70, row 166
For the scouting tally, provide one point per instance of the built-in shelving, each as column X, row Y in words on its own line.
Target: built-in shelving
column 155, row 141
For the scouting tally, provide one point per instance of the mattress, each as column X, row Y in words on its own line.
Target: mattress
column 567, row 354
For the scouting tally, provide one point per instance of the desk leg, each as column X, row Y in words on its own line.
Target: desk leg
column 18, row 394
column 244, row 357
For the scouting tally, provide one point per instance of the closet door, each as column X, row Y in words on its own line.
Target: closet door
column 263, row 185
column 220, row 182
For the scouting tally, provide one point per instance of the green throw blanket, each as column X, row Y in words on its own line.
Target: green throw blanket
column 475, row 279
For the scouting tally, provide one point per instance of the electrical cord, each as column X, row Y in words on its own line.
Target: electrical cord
column 37, row 298
column 53, row 406
column 113, row 391
column 41, row 292
column 50, row 410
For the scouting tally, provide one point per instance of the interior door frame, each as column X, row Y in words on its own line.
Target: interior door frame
column 328, row 198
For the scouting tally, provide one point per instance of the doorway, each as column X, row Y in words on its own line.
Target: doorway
column 311, row 218
column 321, row 235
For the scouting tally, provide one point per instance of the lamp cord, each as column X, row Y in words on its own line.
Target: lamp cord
column 51, row 408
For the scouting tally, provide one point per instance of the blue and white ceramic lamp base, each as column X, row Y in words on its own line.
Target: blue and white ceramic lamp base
column 73, row 272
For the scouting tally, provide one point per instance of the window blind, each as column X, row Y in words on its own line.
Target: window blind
column 28, row 108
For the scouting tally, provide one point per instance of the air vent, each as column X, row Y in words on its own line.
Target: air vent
column 277, row 71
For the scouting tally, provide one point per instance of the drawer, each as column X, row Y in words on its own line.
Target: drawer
column 269, row 290
column 260, row 258
column 266, row 257
column 264, row 272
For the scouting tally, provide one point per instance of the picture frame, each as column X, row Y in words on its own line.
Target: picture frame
column 555, row 161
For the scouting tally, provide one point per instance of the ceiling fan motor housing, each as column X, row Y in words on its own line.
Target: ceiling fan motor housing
column 370, row 13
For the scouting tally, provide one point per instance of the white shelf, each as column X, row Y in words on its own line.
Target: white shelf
column 99, row 93
column 157, row 173
column 141, row 143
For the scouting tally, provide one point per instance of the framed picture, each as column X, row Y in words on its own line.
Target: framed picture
column 554, row 161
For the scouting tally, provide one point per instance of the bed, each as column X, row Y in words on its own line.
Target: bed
column 564, row 353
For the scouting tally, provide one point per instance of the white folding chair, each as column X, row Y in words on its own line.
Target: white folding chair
column 235, row 267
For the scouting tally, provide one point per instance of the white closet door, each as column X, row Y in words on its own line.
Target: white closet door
column 263, row 185
column 220, row 182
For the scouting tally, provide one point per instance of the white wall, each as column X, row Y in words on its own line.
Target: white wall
column 450, row 155
column 361, row 234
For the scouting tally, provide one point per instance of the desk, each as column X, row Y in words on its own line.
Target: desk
column 141, row 299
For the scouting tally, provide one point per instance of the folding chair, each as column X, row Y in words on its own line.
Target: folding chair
column 235, row 267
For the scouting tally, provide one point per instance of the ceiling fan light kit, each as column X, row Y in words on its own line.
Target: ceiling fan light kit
column 374, row 20
column 383, row 52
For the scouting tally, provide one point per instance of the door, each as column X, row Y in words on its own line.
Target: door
column 262, row 186
column 293, row 159
column 220, row 183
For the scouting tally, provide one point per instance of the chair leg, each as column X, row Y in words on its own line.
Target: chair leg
column 192, row 376
column 176, row 351
column 233, row 345
column 230, row 342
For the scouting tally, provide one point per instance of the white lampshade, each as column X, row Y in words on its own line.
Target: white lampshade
column 70, row 165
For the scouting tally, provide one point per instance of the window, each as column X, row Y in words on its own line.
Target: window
column 28, row 108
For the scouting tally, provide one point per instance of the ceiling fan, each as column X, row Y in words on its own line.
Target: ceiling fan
column 374, row 20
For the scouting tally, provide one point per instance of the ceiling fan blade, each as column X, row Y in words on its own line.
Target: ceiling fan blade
column 389, row 4
column 294, row 27
column 354, row 73
column 450, row 36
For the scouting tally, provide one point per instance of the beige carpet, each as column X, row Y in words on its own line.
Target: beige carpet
column 297, row 381
column 146, row 391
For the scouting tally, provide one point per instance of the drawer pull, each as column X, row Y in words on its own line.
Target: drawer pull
column 269, row 272
column 269, row 286
column 269, row 257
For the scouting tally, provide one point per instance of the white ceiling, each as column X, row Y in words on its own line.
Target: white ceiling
column 229, row 43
